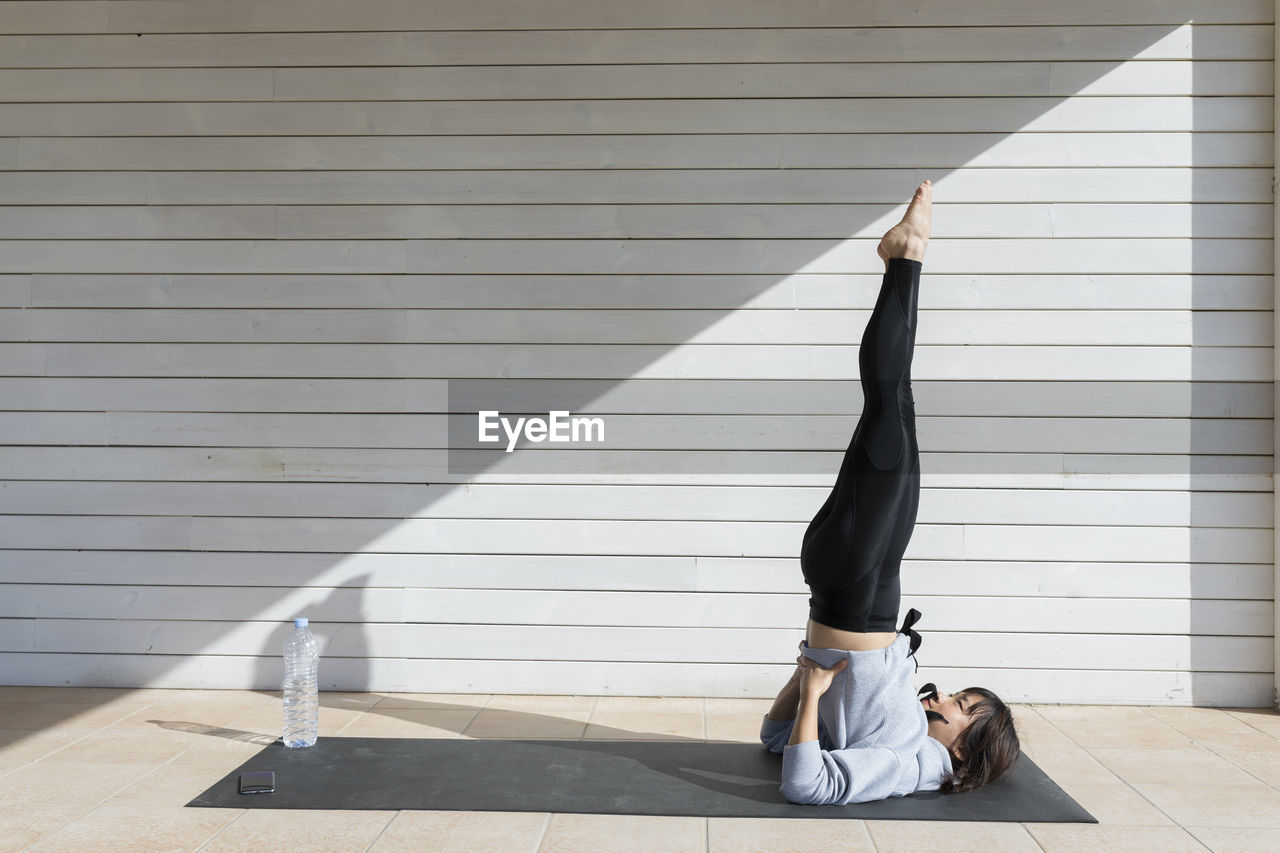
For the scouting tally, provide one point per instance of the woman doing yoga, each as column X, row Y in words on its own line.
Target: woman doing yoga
column 849, row 724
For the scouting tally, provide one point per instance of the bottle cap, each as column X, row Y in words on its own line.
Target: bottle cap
column 300, row 622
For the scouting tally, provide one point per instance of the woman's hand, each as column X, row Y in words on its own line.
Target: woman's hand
column 815, row 679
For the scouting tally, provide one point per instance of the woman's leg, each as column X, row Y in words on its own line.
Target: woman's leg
column 852, row 549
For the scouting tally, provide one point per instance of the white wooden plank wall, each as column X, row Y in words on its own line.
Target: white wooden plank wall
column 243, row 246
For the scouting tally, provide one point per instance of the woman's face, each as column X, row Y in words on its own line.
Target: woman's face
column 954, row 709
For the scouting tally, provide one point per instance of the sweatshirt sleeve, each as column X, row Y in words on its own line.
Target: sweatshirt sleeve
column 774, row 734
column 815, row 776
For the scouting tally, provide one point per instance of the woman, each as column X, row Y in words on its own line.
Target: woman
column 849, row 724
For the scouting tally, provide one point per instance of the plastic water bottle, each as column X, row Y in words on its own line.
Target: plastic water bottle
column 301, row 686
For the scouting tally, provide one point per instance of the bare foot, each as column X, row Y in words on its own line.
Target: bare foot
column 910, row 237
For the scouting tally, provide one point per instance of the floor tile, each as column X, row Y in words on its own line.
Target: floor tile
column 137, row 828
column 1034, row 730
column 217, row 752
column 183, row 733
column 1234, row 840
column 1261, row 761
column 84, row 695
column 501, row 723
column 594, row 833
column 43, row 715
column 209, row 710
column 1070, row 761
column 9, row 694
column 346, row 699
column 72, row 783
column 109, row 747
column 433, row 701
column 21, row 827
column 104, row 695
column 749, row 707
column 21, row 746
column 620, row 725
column 782, row 835
column 463, row 832
column 270, row 718
column 912, row 836
column 1074, row 838
column 1248, row 805
column 1096, row 788
column 738, row 728
column 259, row 830
column 1054, row 712
column 1165, row 765
column 1204, row 725
column 1115, row 803
column 537, row 704
column 649, row 705
column 1107, row 727
column 406, row 722
column 171, row 786
column 1263, row 719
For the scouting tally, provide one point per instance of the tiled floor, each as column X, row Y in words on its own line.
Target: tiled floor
column 106, row 769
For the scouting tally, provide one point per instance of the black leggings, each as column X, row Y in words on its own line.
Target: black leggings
column 852, row 550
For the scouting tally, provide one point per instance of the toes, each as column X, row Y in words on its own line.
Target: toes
column 919, row 202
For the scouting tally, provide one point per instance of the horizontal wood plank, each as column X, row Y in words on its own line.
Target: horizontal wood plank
column 512, row 153
column 672, row 80
column 632, row 608
column 619, row 362
column 1051, row 578
column 165, row 16
column 619, row 501
column 657, row 256
column 628, row 326
column 816, row 397
column 1141, row 40
column 797, row 290
column 968, row 436
column 969, row 12
column 738, row 467
column 15, row 290
column 757, row 681
column 991, row 114
column 744, row 81
column 552, row 222
column 623, row 644
column 641, row 186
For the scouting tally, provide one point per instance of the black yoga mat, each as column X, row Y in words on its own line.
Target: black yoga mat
column 596, row 777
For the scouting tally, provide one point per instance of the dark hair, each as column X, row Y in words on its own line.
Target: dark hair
column 987, row 747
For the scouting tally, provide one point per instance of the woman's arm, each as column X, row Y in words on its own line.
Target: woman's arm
column 806, row 727
column 814, row 681
column 788, row 699
column 815, row 776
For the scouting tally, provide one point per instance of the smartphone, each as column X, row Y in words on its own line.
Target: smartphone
column 258, row 782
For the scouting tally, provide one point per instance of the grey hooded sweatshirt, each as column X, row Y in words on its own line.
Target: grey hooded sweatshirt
column 873, row 736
